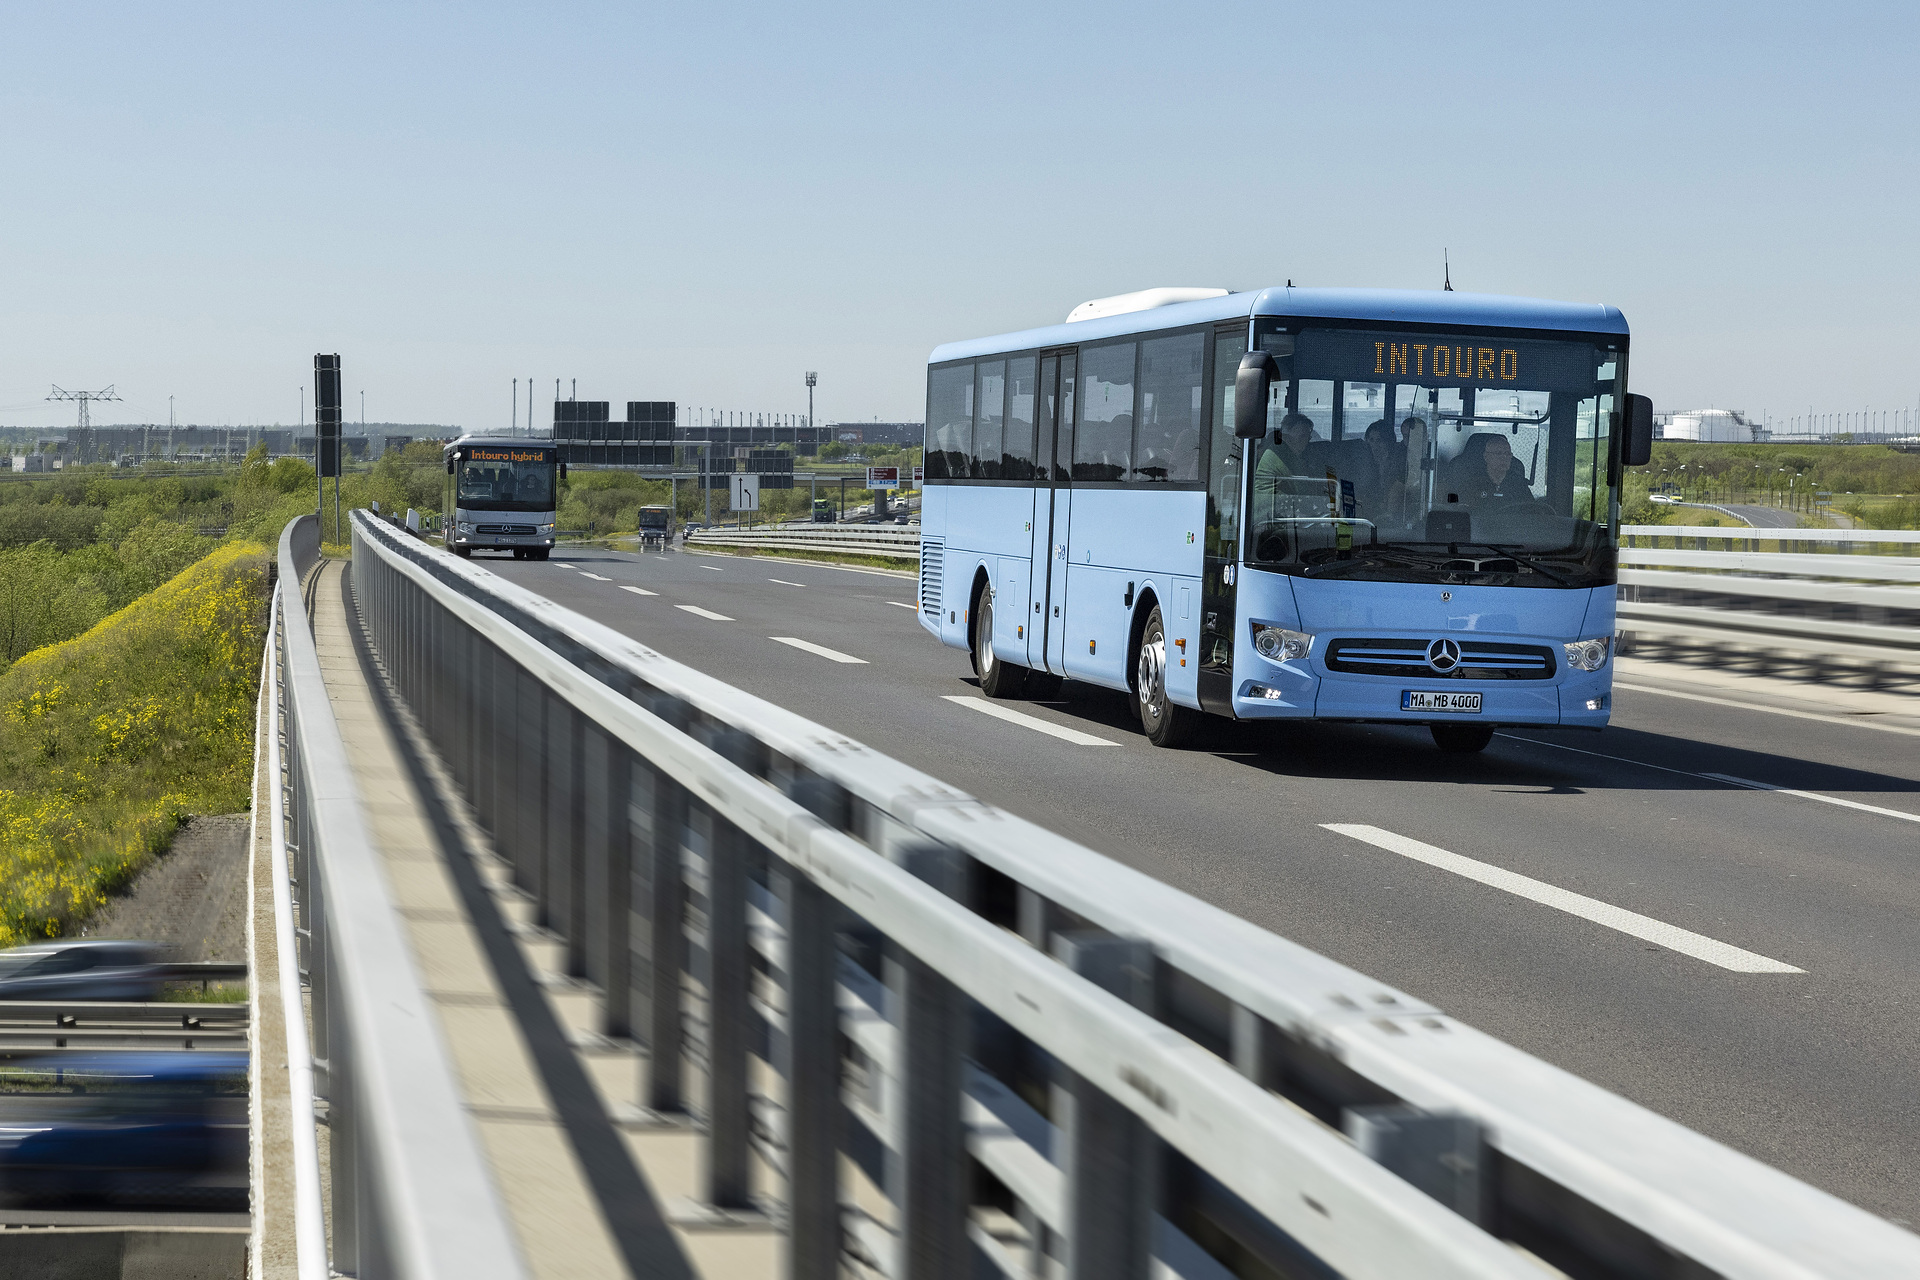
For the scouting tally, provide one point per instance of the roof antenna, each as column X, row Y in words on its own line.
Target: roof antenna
column 1289, row 282
column 1447, row 268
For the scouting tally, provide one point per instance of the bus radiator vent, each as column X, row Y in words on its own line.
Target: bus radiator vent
column 933, row 563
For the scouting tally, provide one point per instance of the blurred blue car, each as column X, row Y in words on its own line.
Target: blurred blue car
column 153, row 1130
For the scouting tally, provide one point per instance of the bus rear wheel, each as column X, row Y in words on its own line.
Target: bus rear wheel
column 998, row 679
column 1167, row 725
column 1461, row 739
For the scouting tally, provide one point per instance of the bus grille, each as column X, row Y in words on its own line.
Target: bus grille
column 933, row 563
column 1479, row 659
column 512, row 530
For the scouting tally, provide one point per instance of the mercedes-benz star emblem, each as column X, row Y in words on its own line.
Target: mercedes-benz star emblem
column 1443, row 655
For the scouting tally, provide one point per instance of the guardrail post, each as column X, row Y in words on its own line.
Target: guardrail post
column 343, row 1131
column 657, row 819
column 530, row 796
column 562, row 886
column 729, row 1176
column 813, row 1068
column 1109, row 1155
column 930, row 1175
column 608, row 882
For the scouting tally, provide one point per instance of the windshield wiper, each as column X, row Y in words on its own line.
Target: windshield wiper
column 1528, row 561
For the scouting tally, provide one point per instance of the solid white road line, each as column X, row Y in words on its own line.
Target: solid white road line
column 896, row 604
column 832, row 655
column 783, row 582
column 1861, row 722
column 1685, row 941
column 639, row 591
column 1751, row 785
column 596, row 577
column 704, row 613
column 1031, row 722
column 1727, row 778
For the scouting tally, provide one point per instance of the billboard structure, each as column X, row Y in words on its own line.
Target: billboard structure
column 326, row 433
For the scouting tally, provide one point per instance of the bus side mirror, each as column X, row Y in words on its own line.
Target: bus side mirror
column 449, row 464
column 563, row 468
column 1638, row 449
column 1252, row 384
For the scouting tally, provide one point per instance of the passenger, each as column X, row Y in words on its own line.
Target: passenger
column 1288, row 456
column 1381, row 486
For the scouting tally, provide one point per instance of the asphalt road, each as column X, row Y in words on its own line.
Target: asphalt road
column 1813, row 1071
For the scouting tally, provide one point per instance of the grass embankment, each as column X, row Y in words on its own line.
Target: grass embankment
column 110, row 740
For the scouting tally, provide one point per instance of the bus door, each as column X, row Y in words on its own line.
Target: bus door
column 1226, row 492
column 1052, row 512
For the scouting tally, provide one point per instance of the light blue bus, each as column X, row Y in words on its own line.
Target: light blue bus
column 1330, row 504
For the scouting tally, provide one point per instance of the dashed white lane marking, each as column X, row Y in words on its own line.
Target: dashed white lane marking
column 596, row 577
column 716, row 568
column 639, row 591
column 1813, row 795
column 564, row 566
column 1685, row 941
column 1727, row 778
column 704, row 613
column 832, row 655
column 783, row 582
column 896, row 604
column 1858, row 722
column 1030, row 722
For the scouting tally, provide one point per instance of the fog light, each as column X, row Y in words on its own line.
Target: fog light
column 1277, row 644
column 1261, row 691
column 1596, row 704
column 1588, row 655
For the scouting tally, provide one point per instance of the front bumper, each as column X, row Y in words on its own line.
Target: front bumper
column 1305, row 689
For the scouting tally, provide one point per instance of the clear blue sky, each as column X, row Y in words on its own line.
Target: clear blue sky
column 701, row 202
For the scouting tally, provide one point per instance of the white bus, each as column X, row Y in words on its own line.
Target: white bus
column 501, row 495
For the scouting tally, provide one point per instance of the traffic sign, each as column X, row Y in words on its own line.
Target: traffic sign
column 883, row 477
column 746, row 492
column 919, row 477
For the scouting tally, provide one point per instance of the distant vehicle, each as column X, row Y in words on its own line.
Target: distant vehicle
column 1662, row 497
column 165, row 1129
column 81, row 969
column 656, row 525
column 822, row 511
column 503, row 494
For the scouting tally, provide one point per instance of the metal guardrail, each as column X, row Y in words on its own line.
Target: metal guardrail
column 39, row 1025
column 1179, row 1036
column 1800, row 604
column 863, row 540
column 409, row 1196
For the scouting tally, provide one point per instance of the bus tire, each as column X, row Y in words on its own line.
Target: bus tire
column 998, row 678
column 1166, row 725
column 465, row 553
column 1461, row 739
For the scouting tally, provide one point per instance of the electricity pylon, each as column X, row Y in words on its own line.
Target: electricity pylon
column 84, row 445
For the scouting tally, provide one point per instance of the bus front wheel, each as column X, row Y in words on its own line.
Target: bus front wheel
column 1461, row 739
column 998, row 679
column 1167, row 725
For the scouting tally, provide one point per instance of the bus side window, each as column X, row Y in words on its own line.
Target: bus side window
column 1225, row 451
column 1167, row 435
column 1102, row 449
column 989, row 414
column 949, row 422
column 1017, row 454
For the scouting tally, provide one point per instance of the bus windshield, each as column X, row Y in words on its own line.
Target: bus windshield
column 1433, row 457
column 506, row 479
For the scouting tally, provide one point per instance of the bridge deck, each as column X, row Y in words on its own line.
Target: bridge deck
column 582, row 1171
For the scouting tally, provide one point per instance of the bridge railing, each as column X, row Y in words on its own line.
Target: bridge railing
column 1136, row 1078
column 409, row 1194
column 1846, row 598
column 866, row 540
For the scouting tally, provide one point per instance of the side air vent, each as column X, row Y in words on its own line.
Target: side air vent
column 933, row 563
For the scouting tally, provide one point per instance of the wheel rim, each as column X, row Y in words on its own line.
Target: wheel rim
column 983, row 642
column 1153, row 663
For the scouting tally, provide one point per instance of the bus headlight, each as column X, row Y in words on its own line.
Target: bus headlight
column 463, row 527
column 1277, row 644
column 546, row 528
column 1588, row 655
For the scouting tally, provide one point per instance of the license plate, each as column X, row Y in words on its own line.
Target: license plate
column 1418, row 700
